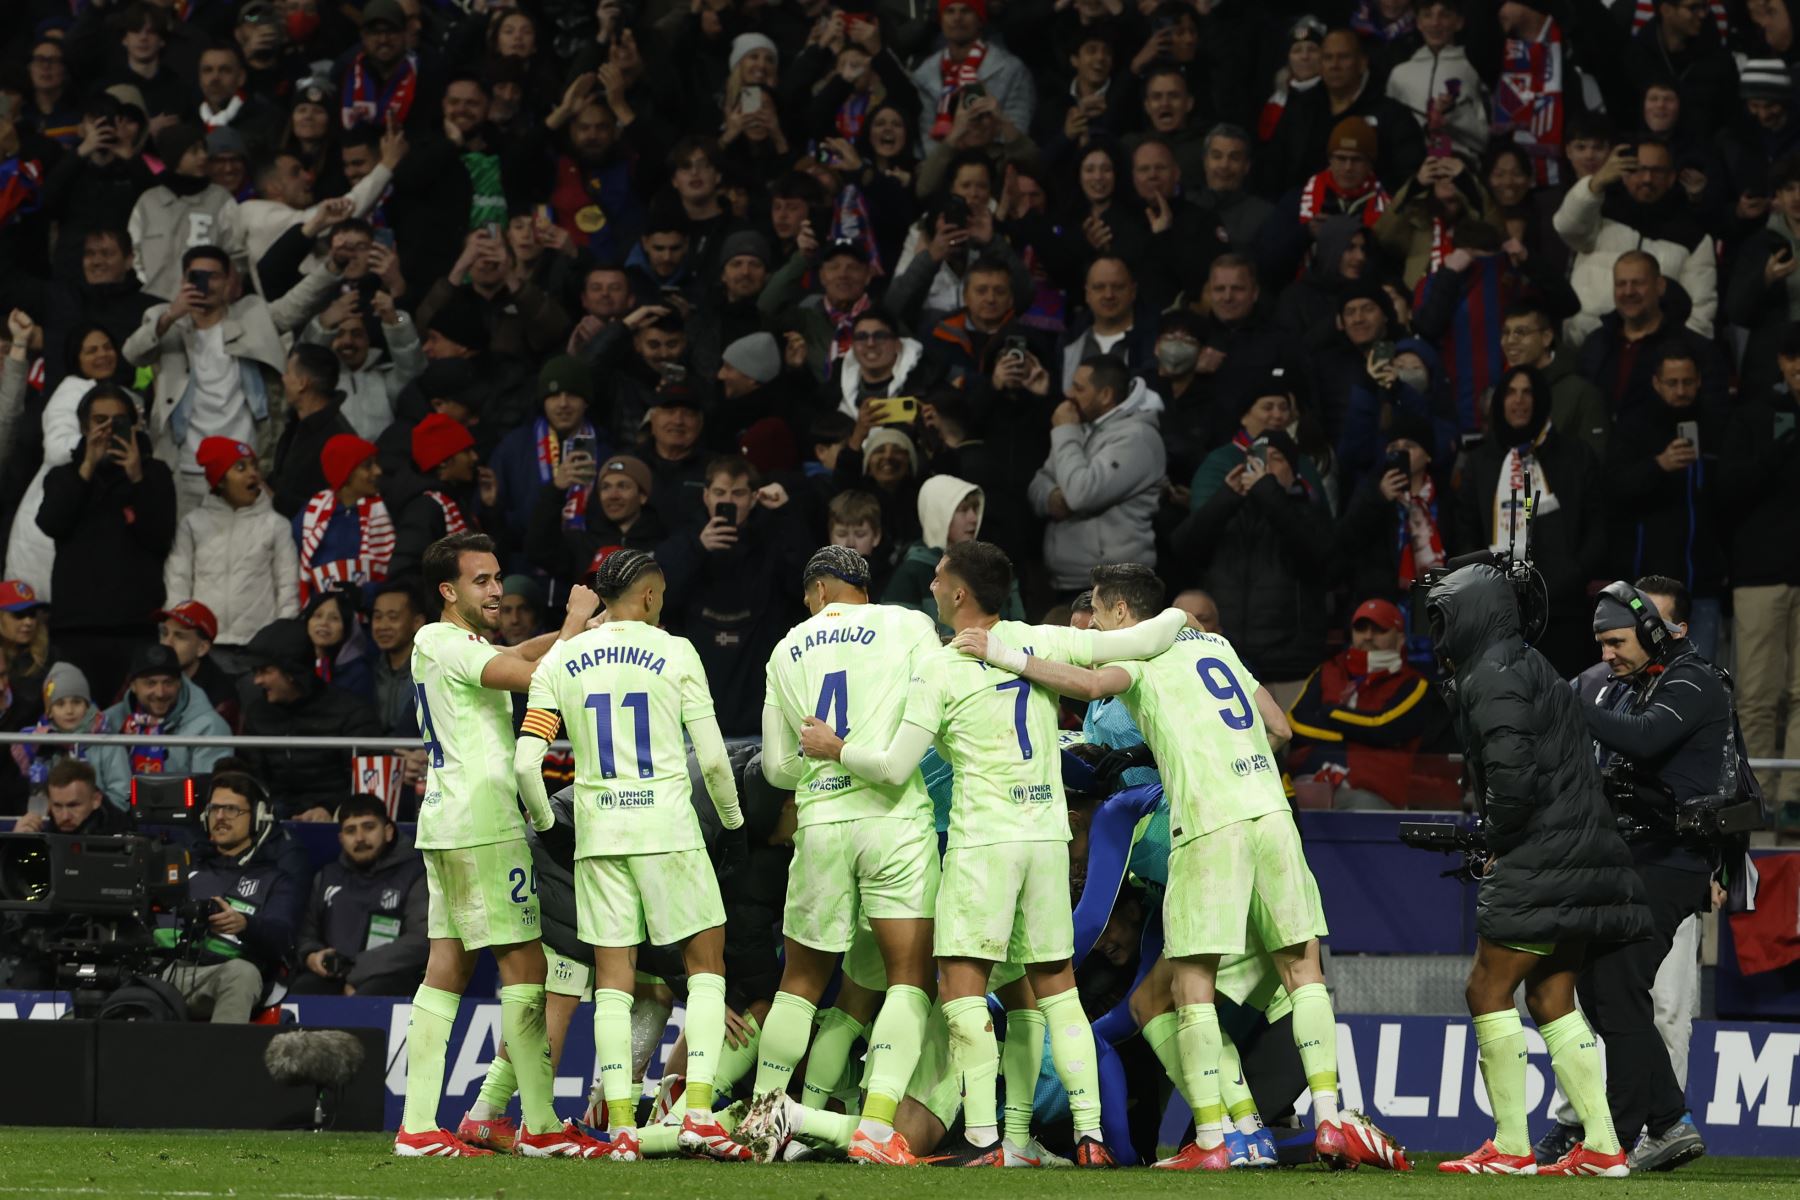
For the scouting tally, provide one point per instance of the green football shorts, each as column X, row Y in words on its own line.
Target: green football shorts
column 1249, row 875
column 873, row 868
column 1006, row 903
column 620, row 900
column 568, row 976
column 482, row 895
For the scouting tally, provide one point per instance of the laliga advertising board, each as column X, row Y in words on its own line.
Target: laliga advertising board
column 1417, row 1076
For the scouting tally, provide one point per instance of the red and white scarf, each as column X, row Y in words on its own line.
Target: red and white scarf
column 1643, row 10
column 454, row 521
column 373, row 556
column 956, row 75
column 218, row 118
column 549, row 452
column 1529, row 99
column 1367, row 202
column 1421, row 541
column 1521, row 482
column 1276, row 106
column 1443, row 242
column 365, row 104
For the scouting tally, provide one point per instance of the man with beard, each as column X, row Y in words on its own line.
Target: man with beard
column 606, row 297
column 672, row 451
column 731, row 312
column 363, row 932
column 593, row 196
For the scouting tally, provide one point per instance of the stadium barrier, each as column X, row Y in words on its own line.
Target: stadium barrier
column 1418, row 1077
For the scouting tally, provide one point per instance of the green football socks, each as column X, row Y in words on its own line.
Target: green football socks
column 1021, row 1060
column 705, row 1035
column 1502, row 1042
column 1077, row 1064
column 496, row 1090
column 1159, row 1035
column 894, row 1046
column 528, row 1046
column 612, row 1047
column 975, row 1055
column 830, row 1057
column 427, row 1041
column 1581, row 1074
column 1234, row 1090
column 735, row 1062
column 784, row 1039
column 1315, row 1035
column 1201, row 1043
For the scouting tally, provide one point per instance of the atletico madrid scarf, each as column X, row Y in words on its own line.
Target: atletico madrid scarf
column 366, row 104
column 549, row 453
column 1529, row 99
column 1321, row 197
column 955, row 74
column 1419, row 523
column 373, row 555
column 454, row 521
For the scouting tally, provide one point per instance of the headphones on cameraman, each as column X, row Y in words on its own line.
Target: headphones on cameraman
column 262, row 809
column 1653, row 633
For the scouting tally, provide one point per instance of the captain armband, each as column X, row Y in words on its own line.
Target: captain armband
column 541, row 723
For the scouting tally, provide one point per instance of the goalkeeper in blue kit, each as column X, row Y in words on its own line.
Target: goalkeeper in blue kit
column 1237, row 874
column 628, row 692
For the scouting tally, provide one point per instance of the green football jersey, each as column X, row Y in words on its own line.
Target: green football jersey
column 998, row 732
column 849, row 665
column 1196, row 705
column 471, row 795
column 626, row 691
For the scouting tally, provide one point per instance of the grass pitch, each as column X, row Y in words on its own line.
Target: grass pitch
column 296, row 1166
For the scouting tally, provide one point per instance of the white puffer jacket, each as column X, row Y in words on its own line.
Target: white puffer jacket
column 240, row 563
column 1598, row 241
column 29, row 551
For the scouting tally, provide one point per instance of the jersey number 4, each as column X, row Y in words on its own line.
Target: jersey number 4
column 639, row 704
column 1224, row 685
column 833, row 708
column 427, row 730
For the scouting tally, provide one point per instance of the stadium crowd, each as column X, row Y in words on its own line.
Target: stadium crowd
column 1290, row 301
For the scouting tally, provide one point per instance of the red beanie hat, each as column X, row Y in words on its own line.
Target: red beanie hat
column 437, row 439
column 980, row 7
column 343, row 454
column 218, row 455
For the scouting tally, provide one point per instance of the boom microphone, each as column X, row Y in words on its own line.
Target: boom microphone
column 325, row 1059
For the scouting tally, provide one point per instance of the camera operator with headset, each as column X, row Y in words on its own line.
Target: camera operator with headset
column 245, row 904
column 1678, row 778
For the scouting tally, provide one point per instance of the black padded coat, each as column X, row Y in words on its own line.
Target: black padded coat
column 1561, row 872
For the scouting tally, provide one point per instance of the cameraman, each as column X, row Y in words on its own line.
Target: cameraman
column 1667, row 746
column 253, row 906
column 363, row 933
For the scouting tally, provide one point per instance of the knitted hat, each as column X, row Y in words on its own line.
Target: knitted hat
column 460, row 320
column 1766, row 79
column 1610, row 613
column 217, row 455
column 746, row 241
column 1307, row 29
column 64, row 680
column 769, row 445
column 883, row 435
column 174, row 141
column 437, row 439
column 566, row 373
column 756, row 355
column 153, row 659
column 1354, row 135
column 633, row 469
column 744, row 43
column 526, row 586
column 342, row 455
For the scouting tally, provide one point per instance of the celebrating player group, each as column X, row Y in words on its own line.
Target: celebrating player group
column 933, row 941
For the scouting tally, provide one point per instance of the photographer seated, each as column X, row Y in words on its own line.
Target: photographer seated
column 1363, row 714
column 363, row 933
column 1667, row 746
column 226, row 959
column 76, row 804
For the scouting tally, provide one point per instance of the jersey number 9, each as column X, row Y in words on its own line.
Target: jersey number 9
column 1224, row 685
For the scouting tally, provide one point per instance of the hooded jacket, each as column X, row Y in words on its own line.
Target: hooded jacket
column 939, row 498
column 1560, row 872
column 299, row 779
column 191, row 716
column 1308, row 307
column 1110, row 472
column 241, row 563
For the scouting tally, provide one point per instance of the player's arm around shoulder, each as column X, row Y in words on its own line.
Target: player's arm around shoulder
column 1063, row 677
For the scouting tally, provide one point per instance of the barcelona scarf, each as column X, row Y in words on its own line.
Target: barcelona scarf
column 366, row 104
column 549, row 452
column 146, row 760
column 21, row 187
